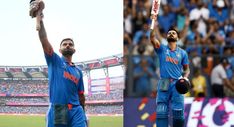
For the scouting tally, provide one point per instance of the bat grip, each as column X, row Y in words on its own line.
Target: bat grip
column 152, row 24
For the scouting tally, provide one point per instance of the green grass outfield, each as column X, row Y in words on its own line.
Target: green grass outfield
column 39, row 121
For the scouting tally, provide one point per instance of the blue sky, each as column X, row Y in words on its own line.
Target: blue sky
column 95, row 26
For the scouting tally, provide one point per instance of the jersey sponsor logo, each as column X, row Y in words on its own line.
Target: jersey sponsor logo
column 172, row 60
column 70, row 77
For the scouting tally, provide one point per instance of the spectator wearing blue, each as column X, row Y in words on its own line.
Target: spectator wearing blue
column 219, row 11
column 230, row 38
column 181, row 18
column 190, row 4
column 193, row 36
column 167, row 19
column 142, row 75
column 218, row 33
column 140, row 33
column 229, row 54
column 176, row 5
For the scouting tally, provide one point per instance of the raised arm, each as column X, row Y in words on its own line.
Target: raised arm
column 44, row 40
column 159, row 35
column 185, row 29
column 155, row 42
column 35, row 11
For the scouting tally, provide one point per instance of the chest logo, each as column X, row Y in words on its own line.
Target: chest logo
column 70, row 77
column 172, row 60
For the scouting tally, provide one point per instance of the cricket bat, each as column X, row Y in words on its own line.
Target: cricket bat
column 154, row 12
column 37, row 13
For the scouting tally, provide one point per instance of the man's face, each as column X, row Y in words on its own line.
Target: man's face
column 172, row 36
column 67, row 48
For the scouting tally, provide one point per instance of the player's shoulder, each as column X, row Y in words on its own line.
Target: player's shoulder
column 163, row 46
column 78, row 68
column 182, row 50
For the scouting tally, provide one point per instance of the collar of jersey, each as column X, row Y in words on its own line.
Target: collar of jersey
column 173, row 50
column 65, row 61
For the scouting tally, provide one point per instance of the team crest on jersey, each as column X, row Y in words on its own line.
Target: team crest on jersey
column 178, row 55
column 167, row 52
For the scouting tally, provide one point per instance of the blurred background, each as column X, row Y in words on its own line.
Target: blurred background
column 208, row 38
column 206, row 30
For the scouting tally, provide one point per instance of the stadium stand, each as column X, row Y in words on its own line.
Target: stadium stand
column 24, row 89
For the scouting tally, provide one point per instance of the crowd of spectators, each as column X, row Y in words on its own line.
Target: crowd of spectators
column 104, row 109
column 114, row 95
column 90, row 109
column 41, row 87
column 206, row 31
column 23, row 109
column 15, row 87
column 24, row 86
column 25, row 100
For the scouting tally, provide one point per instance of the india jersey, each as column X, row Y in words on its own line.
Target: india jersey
column 65, row 80
column 171, row 62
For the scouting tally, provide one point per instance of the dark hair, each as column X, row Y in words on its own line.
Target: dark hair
column 174, row 29
column 141, row 49
column 224, row 60
column 65, row 39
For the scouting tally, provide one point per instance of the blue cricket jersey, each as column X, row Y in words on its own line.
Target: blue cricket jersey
column 65, row 80
column 171, row 62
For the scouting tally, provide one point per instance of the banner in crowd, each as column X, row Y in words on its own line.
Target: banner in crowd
column 199, row 112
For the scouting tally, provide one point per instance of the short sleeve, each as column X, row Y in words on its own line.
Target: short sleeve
column 52, row 58
column 159, row 49
column 185, row 60
column 81, row 84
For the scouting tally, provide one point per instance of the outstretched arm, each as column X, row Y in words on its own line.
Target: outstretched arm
column 36, row 8
column 185, row 29
column 153, row 40
column 159, row 35
column 44, row 40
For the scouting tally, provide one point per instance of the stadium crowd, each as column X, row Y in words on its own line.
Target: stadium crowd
column 23, row 87
column 41, row 87
column 208, row 37
column 12, row 88
column 23, row 109
column 114, row 95
column 25, row 100
column 104, row 109
column 90, row 109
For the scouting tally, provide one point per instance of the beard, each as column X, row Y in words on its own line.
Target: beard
column 171, row 39
column 67, row 52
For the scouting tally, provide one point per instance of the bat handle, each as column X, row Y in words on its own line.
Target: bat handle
column 152, row 24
